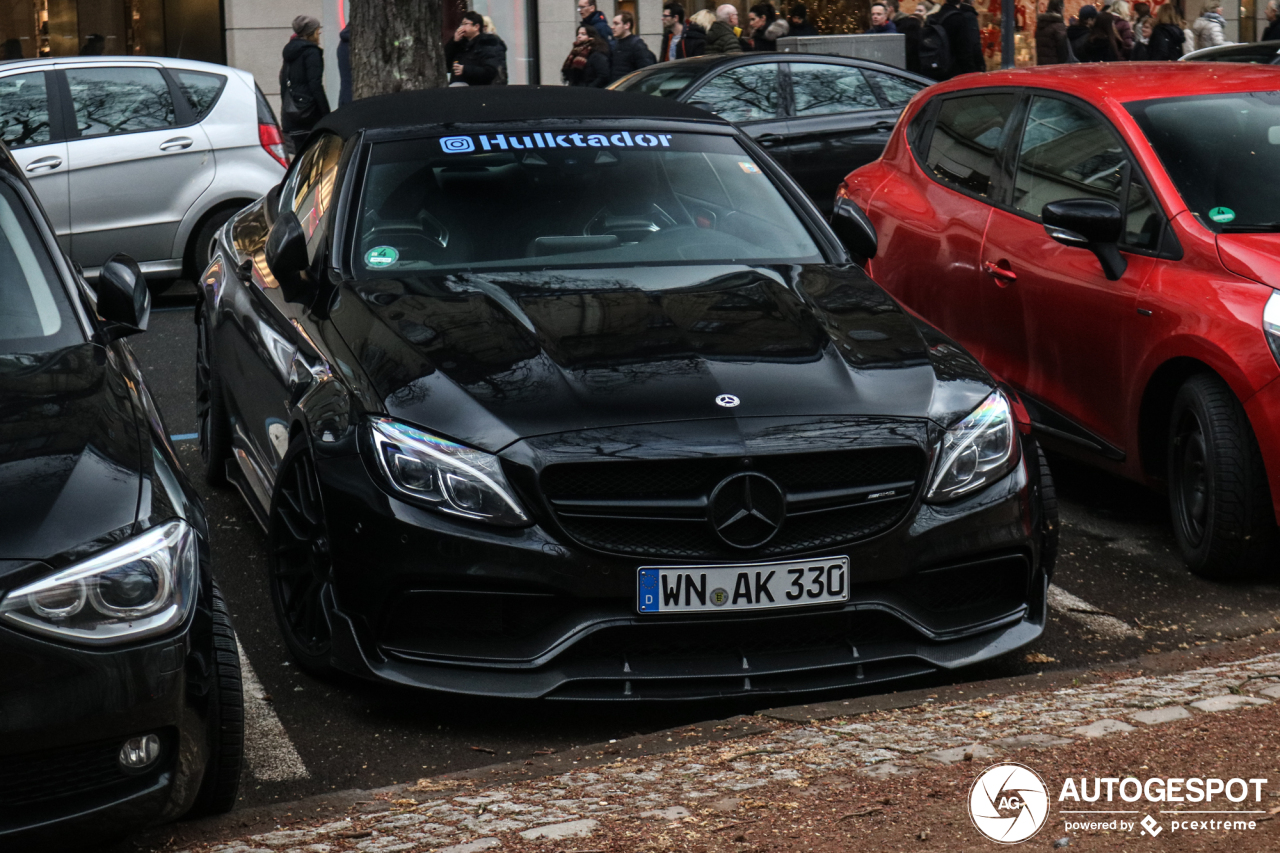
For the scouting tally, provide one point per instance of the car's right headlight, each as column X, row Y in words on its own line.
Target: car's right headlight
column 978, row 450
column 444, row 475
column 139, row 588
column 1271, row 324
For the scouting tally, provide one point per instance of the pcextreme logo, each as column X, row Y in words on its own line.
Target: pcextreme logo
column 1008, row 803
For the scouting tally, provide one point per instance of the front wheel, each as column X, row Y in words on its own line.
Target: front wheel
column 226, row 720
column 1218, row 494
column 299, row 563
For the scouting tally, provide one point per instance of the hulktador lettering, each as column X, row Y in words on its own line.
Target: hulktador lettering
column 622, row 139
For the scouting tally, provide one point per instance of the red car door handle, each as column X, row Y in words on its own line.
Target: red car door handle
column 999, row 270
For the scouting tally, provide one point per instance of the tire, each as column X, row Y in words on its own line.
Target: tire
column 1218, row 493
column 221, row 782
column 1049, row 524
column 200, row 249
column 299, row 564
column 213, row 427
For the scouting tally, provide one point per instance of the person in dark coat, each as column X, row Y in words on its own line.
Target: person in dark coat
column 1167, row 35
column 1052, row 47
column 596, row 19
column 960, row 22
column 630, row 53
column 475, row 57
column 765, row 27
column 1272, row 32
column 302, row 94
column 588, row 63
column 680, row 38
column 910, row 26
column 1102, row 42
column 1078, row 27
column 881, row 20
column 722, row 38
column 344, row 65
column 798, row 17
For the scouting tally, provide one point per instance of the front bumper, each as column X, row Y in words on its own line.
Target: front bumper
column 64, row 714
column 422, row 600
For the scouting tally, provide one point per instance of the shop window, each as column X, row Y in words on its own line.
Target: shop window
column 24, row 110
column 119, row 100
column 966, row 136
column 200, row 89
column 821, row 89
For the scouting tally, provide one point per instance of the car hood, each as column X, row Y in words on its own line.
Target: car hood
column 69, row 452
column 1255, row 256
column 490, row 359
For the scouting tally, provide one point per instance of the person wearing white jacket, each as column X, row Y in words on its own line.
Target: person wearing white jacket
column 1210, row 27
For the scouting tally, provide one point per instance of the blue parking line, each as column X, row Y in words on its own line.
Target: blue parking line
column 186, row 436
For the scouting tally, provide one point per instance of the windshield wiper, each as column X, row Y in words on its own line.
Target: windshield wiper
column 1254, row 227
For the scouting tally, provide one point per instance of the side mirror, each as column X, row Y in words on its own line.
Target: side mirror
column 123, row 299
column 854, row 229
column 1088, row 223
column 286, row 255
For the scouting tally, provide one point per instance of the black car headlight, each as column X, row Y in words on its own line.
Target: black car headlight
column 139, row 588
column 978, row 450
column 444, row 475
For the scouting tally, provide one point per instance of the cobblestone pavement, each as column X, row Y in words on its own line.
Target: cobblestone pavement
column 694, row 796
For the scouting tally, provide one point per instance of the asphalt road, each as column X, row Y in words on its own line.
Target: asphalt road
column 1121, row 590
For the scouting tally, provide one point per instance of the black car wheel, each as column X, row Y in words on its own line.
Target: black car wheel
column 1218, row 493
column 226, row 713
column 1049, row 527
column 299, row 562
column 212, row 425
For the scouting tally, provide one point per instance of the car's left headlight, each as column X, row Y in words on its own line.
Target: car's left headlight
column 978, row 450
column 139, row 588
column 444, row 475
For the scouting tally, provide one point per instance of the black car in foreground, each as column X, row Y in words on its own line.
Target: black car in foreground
column 120, row 699
column 573, row 394
column 820, row 117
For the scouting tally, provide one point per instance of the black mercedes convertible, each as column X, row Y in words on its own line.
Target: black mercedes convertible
column 574, row 394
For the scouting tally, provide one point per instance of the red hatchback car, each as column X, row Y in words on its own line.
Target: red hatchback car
column 1105, row 239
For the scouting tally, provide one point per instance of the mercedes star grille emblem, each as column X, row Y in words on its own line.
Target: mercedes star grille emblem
column 727, row 400
column 747, row 510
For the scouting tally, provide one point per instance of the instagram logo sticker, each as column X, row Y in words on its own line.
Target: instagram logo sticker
column 457, row 144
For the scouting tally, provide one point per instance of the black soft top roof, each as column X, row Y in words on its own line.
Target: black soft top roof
column 472, row 104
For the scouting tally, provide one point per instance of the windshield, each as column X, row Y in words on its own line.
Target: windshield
column 1222, row 152
column 571, row 199
column 34, row 314
column 666, row 83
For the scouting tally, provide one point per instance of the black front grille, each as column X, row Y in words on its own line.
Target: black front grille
column 37, row 777
column 658, row 508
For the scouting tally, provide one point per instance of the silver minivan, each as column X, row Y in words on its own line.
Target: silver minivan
column 144, row 155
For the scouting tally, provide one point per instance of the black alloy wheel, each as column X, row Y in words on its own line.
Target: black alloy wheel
column 221, row 781
column 299, row 562
column 1218, row 493
column 213, row 427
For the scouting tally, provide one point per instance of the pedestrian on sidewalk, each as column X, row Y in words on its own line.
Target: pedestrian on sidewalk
column 474, row 57
column 594, row 18
column 880, row 23
column 1167, row 35
column 1101, row 43
column 722, row 37
column 630, row 53
column 1122, row 15
column 302, row 96
column 766, row 27
column 588, row 63
column 1272, row 32
column 680, row 39
column 344, row 66
column 1210, row 27
column 1142, row 39
column 798, row 17
column 1052, row 47
column 960, row 22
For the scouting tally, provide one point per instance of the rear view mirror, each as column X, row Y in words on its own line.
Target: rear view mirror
column 1088, row 223
column 854, row 230
column 123, row 299
column 286, row 254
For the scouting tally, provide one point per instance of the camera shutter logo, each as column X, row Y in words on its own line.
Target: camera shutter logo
column 457, row 144
column 1008, row 803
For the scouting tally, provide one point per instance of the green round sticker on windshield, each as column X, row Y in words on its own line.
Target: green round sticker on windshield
column 381, row 256
column 1222, row 214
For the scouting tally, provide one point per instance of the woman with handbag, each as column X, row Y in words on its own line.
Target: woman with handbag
column 302, row 98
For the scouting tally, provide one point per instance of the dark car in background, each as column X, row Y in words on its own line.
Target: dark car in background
column 575, row 395
column 1252, row 53
column 820, row 117
column 120, row 700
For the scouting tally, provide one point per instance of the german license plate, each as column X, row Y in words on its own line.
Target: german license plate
column 754, row 586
